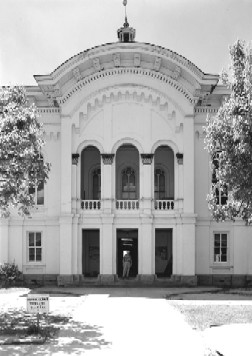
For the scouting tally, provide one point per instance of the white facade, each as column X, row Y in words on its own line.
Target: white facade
column 124, row 135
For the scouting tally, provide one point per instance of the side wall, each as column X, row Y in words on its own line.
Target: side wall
column 238, row 268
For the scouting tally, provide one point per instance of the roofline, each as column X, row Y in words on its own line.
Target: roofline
column 173, row 54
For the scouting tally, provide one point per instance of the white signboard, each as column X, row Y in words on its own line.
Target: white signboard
column 37, row 303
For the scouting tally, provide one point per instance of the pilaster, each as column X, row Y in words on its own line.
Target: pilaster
column 66, row 165
column 4, row 240
column 75, row 159
column 146, row 183
column 146, row 247
column 188, row 163
column 106, row 247
column 66, row 245
column 179, row 178
column 186, row 249
column 75, row 230
column 107, row 182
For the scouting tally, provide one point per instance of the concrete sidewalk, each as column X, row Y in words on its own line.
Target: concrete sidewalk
column 126, row 321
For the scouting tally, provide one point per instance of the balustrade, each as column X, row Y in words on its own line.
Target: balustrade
column 164, row 204
column 91, row 204
column 127, row 204
column 161, row 205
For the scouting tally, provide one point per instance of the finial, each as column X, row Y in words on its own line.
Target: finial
column 126, row 33
column 126, row 24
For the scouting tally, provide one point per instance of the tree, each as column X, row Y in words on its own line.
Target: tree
column 22, row 166
column 229, row 142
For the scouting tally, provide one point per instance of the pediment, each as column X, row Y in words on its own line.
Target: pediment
column 126, row 60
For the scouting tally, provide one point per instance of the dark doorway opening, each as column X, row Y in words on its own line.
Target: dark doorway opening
column 90, row 253
column 127, row 240
column 163, row 252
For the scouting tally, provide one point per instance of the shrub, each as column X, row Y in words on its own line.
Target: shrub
column 9, row 272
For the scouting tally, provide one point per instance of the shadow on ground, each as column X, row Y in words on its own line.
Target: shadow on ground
column 63, row 334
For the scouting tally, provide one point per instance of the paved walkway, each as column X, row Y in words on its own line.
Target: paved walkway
column 127, row 321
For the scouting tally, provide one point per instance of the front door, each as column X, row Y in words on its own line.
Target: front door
column 127, row 241
column 163, row 252
column 90, row 253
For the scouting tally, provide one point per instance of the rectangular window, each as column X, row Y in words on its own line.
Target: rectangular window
column 220, row 247
column 38, row 192
column 221, row 192
column 34, row 247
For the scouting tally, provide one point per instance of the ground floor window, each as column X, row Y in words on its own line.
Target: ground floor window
column 220, row 247
column 34, row 247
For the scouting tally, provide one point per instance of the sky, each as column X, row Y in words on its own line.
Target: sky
column 36, row 36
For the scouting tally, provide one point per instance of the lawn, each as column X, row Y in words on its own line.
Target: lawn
column 201, row 316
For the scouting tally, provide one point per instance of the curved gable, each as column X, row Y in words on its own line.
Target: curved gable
column 126, row 60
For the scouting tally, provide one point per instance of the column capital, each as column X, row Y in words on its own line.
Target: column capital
column 107, row 158
column 75, row 158
column 147, row 158
column 180, row 157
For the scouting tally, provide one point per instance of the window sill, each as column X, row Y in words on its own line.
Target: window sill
column 223, row 265
column 35, row 264
column 38, row 209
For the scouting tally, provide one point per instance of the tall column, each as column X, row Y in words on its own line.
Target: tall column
column 189, row 164
column 106, row 238
column 4, row 240
column 107, row 182
column 146, row 183
column 75, row 158
column 179, row 179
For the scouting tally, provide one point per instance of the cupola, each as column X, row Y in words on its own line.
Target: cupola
column 126, row 33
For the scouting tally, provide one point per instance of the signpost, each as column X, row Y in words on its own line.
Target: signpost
column 38, row 303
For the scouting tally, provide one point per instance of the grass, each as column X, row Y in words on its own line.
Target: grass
column 203, row 316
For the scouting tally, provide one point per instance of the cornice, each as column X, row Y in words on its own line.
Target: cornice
column 136, row 46
column 205, row 110
column 48, row 110
column 138, row 59
column 128, row 71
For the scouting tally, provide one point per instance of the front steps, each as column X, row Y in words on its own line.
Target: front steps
column 108, row 281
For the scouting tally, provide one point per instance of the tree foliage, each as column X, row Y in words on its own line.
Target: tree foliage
column 21, row 163
column 229, row 134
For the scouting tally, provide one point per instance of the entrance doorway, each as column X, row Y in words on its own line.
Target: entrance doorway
column 90, row 253
column 163, row 252
column 127, row 240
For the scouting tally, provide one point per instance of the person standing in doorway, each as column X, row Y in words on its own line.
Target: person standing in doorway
column 127, row 263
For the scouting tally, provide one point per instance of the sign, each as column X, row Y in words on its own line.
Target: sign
column 37, row 303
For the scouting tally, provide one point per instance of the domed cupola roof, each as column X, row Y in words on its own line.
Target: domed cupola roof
column 126, row 33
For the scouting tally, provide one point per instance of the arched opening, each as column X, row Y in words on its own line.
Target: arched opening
column 127, row 177
column 90, row 177
column 164, row 178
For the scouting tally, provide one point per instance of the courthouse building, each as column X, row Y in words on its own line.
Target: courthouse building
column 124, row 130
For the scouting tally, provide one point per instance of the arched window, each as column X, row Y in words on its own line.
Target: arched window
column 128, row 183
column 159, row 184
column 97, row 184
